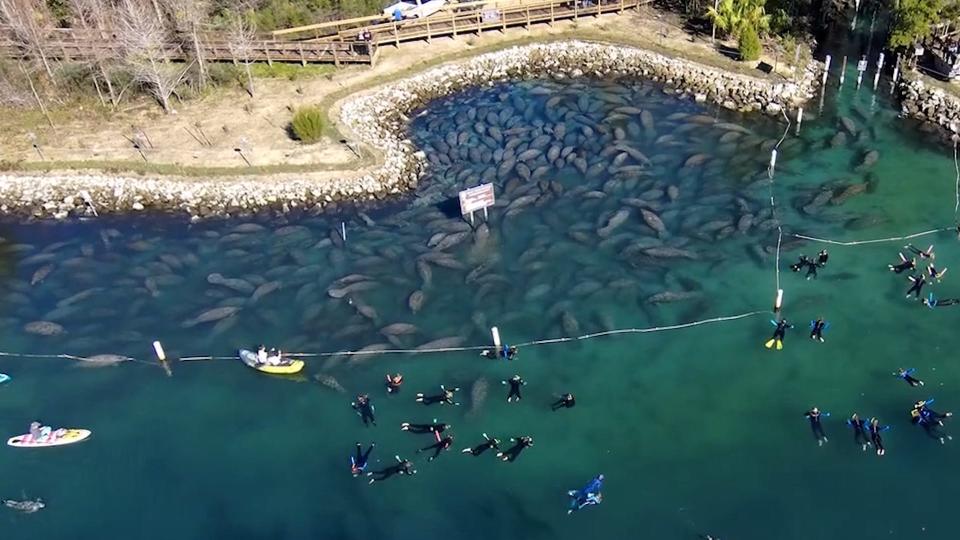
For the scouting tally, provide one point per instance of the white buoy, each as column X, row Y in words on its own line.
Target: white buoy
column 799, row 116
column 859, row 79
column 773, row 163
column 779, row 302
column 158, row 348
column 496, row 337
column 826, row 69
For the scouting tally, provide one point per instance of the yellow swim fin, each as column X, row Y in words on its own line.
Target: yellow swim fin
column 769, row 344
column 779, row 345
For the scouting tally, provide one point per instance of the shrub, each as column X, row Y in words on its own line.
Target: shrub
column 749, row 44
column 307, row 124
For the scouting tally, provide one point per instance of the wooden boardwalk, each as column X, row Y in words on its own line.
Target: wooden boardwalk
column 336, row 42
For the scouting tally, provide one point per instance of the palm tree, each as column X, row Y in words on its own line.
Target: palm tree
column 726, row 17
column 732, row 16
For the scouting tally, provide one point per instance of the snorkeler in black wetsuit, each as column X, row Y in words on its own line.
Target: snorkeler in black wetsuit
column 490, row 442
column 565, row 402
column 358, row 461
column 802, row 263
column 917, row 287
column 779, row 333
column 445, row 397
column 439, row 446
column 513, row 452
column 814, row 415
column 933, row 273
column 904, row 265
column 505, row 352
column 875, row 430
column 365, row 409
column 425, row 428
column 515, row 383
column 934, row 302
column 928, row 254
column 822, row 258
column 403, row 466
column 860, row 429
column 816, row 329
column 907, row 375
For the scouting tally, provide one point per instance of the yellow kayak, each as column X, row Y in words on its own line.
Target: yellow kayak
column 288, row 366
column 70, row 436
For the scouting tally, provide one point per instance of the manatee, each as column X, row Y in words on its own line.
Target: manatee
column 416, row 300
column 442, row 343
column 571, row 327
column 212, row 315
column 478, row 395
column 398, row 329
column 667, row 297
column 667, row 252
column 103, row 360
column 653, row 221
column 616, row 220
column 264, row 290
column 41, row 274
column 329, row 382
column 44, row 328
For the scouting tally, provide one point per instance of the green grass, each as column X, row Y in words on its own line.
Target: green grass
column 291, row 72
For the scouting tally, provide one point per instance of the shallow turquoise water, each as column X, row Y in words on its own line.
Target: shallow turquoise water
column 697, row 430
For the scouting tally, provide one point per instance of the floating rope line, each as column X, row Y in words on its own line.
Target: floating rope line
column 427, row 350
column 875, row 241
column 62, row 356
column 773, row 205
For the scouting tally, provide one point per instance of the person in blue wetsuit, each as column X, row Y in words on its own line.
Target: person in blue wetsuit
column 588, row 496
column 860, row 429
column 907, row 375
column 779, row 333
column 933, row 302
column 929, row 419
column 816, row 329
column 875, row 430
column 358, row 461
column 814, row 416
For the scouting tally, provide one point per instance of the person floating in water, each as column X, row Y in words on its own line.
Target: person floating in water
column 519, row 443
column 933, row 273
column 566, row 401
column 358, row 461
column 860, row 431
column 801, row 263
column 489, row 443
column 365, row 409
column 403, row 466
column 435, row 427
column 816, row 329
column 586, row 496
column 778, row 334
column 875, row 430
column 929, row 419
column 904, row 264
column 917, row 287
column 907, row 375
column 393, row 383
column 515, row 383
column 505, row 352
column 822, row 258
column 928, row 254
column 442, row 444
column 933, row 302
column 814, row 416
column 445, row 397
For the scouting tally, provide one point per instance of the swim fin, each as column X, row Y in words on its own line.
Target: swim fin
column 769, row 344
column 779, row 345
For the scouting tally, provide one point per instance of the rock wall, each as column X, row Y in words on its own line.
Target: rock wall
column 379, row 118
column 930, row 104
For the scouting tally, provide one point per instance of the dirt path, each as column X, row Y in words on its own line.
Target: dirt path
column 231, row 120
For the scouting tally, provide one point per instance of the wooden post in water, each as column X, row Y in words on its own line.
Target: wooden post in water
column 843, row 70
column 826, row 70
column 876, row 76
column 343, row 231
column 799, row 119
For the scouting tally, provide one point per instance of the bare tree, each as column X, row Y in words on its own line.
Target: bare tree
column 93, row 15
column 240, row 40
column 188, row 17
column 29, row 21
column 144, row 42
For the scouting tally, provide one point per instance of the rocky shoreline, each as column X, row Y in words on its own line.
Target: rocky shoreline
column 932, row 106
column 379, row 118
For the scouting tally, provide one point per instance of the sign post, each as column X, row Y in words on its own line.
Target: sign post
column 476, row 198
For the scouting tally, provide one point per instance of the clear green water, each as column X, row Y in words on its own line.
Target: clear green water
column 697, row 430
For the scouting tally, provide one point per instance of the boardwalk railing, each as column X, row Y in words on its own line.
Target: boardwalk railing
column 76, row 44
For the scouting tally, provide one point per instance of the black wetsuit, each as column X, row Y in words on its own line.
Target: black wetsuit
column 359, row 461
column 513, row 452
column 911, row 380
column 944, row 302
column 402, row 467
column 505, row 352
column 437, row 447
column 931, row 421
column 483, row 447
column 365, row 409
column 860, row 429
column 817, row 331
column 781, row 330
column 565, row 402
column 445, row 397
column 918, row 283
column 425, row 428
column 800, row 264
column 515, row 383
column 815, row 425
column 875, row 438
column 822, row 258
column 916, row 251
column 904, row 266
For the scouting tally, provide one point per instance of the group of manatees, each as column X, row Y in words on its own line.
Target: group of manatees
column 608, row 193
